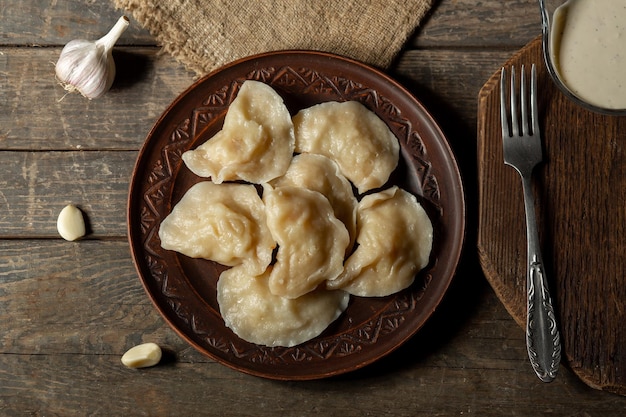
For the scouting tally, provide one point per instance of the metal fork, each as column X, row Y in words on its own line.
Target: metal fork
column 522, row 151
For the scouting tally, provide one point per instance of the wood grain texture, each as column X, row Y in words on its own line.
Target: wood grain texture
column 54, row 386
column 35, row 186
column 70, row 297
column 70, row 310
column 581, row 222
column 485, row 24
column 79, row 307
column 450, row 24
column 44, row 23
column 36, row 113
column 71, row 122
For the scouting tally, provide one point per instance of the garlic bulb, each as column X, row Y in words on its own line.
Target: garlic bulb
column 87, row 66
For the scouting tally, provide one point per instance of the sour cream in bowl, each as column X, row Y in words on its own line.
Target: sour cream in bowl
column 584, row 44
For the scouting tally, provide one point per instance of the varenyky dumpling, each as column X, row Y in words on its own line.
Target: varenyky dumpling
column 311, row 240
column 394, row 242
column 365, row 149
column 256, row 142
column 224, row 223
column 256, row 315
column 321, row 174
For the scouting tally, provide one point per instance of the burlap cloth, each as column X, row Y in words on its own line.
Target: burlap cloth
column 206, row 34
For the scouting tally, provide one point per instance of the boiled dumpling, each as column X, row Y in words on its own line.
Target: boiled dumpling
column 256, row 315
column 365, row 149
column 321, row 174
column 256, row 142
column 223, row 223
column 311, row 240
column 394, row 242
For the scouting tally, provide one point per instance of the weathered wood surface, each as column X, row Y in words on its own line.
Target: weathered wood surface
column 452, row 23
column 35, row 186
column 581, row 228
column 70, row 310
column 44, row 117
column 38, row 114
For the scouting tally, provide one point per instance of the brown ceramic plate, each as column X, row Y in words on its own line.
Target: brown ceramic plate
column 184, row 289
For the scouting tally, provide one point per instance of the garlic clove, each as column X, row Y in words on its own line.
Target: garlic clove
column 142, row 356
column 88, row 66
column 71, row 223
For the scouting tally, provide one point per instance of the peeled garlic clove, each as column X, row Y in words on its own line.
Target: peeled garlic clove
column 88, row 67
column 71, row 223
column 142, row 356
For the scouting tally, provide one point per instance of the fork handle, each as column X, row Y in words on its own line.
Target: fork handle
column 542, row 336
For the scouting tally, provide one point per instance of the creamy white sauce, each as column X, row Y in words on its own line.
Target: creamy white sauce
column 588, row 49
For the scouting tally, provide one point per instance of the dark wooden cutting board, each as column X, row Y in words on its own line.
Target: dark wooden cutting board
column 581, row 209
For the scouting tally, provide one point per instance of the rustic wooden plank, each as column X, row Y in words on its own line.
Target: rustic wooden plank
column 485, row 24
column 88, row 298
column 36, row 113
column 41, row 118
column 461, row 23
column 581, row 229
column 72, row 297
column 448, row 82
column 67, row 386
column 44, row 23
column 92, row 308
column 35, row 186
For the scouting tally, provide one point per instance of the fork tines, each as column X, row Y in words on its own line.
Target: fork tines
column 511, row 128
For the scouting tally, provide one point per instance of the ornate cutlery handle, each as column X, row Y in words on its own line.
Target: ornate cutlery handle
column 542, row 336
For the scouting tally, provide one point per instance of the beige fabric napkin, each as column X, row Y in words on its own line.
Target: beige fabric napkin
column 206, row 34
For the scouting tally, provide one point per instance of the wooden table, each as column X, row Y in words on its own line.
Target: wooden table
column 68, row 311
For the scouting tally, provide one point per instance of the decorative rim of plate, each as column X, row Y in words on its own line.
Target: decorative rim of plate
column 350, row 343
